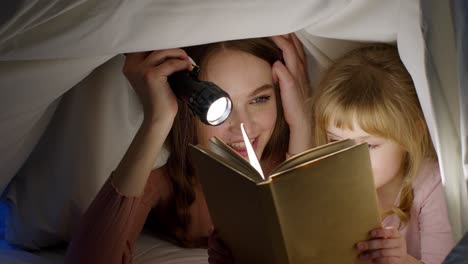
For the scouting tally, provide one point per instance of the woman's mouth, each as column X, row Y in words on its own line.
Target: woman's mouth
column 240, row 147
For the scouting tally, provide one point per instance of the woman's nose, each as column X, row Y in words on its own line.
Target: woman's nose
column 237, row 117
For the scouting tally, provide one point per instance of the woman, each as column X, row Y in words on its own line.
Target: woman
column 268, row 97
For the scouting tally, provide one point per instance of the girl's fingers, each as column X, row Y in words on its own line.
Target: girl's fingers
column 386, row 260
column 381, row 253
column 379, row 244
column 385, row 232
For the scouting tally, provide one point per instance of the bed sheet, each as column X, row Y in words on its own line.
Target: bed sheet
column 149, row 249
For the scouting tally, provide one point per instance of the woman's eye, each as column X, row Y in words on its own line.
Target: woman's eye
column 260, row 99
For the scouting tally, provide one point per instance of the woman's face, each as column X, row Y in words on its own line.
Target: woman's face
column 249, row 82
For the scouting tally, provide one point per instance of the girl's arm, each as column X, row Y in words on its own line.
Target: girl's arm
column 436, row 231
column 433, row 226
column 295, row 89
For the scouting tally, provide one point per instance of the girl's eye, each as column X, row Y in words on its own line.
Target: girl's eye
column 372, row 146
column 260, row 99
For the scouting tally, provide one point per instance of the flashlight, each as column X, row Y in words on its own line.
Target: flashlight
column 211, row 104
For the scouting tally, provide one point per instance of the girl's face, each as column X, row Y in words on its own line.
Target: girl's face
column 249, row 82
column 386, row 155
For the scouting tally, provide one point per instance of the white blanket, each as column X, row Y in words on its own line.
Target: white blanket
column 49, row 47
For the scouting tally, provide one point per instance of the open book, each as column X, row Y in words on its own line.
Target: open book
column 313, row 208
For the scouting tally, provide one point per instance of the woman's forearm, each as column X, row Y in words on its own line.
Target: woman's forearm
column 300, row 139
column 133, row 171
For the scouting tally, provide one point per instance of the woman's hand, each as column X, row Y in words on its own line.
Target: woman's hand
column 218, row 253
column 386, row 245
column 295, row 89
column 147, row 72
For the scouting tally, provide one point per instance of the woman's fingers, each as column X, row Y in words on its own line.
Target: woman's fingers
column 133, row 62
column 290, row 55
column 157, row 57
column 299, row 47
column 137, row 56
column 147, row 72
column 156, row 64
column 294, row 61
column 170, row 66
column 290, row 97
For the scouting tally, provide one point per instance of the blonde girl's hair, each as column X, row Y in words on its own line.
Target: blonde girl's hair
column 372, row 86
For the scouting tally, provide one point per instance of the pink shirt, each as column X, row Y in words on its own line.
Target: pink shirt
column 113, row 222
column 428, row 233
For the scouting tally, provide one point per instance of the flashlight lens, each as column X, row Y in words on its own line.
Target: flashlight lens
column 219, row 111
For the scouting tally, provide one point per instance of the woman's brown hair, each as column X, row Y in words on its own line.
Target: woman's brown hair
column 171, row 221
column 372, row 86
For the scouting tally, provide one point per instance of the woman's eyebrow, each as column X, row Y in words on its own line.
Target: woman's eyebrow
column 261, row 89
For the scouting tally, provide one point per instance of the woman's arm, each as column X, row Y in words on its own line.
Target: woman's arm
column 148, row 75
column 105, row 231
column 295, row 89
column 116, row 216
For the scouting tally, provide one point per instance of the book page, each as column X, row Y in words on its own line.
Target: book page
column 313, row 154
column 233, row 159
column 251, row 153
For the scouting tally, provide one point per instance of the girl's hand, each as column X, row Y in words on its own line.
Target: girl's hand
column 386, row 245
column 147, row 73
column 295, row 88
column 218, row 253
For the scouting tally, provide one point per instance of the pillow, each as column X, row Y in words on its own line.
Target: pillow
column 151, row 249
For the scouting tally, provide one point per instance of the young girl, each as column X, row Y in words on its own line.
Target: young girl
column 369, row 96
column 267, row 96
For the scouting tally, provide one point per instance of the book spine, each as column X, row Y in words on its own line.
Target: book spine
column 272, row 224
